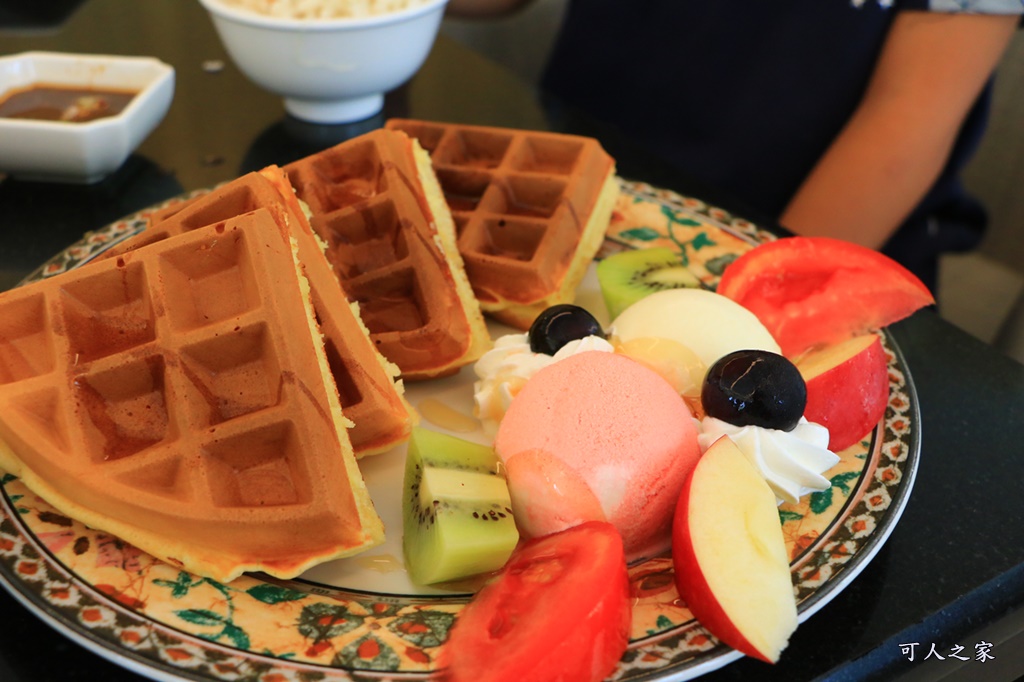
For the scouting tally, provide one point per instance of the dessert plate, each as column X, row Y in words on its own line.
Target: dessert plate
column 360, row 618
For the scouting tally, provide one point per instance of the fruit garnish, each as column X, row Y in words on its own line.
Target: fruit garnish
column 755, row 388
column 560, row 324
column 847, row 388
column 628, row 276
column 706, row 323
column 548, row 495
column 729, row 554
column 456, row 509
column 560, row 610
column 677, row 364
column 816, row 291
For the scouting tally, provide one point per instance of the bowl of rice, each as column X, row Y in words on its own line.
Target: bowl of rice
column 331, row 60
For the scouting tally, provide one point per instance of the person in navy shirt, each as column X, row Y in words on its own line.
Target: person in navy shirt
column 847, row 118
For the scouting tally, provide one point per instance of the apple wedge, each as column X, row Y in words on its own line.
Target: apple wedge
column 730, row 557
column 847, row 388
column 673, row 314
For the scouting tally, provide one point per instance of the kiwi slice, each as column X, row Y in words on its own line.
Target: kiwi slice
column 456, row 509
column 628, row 276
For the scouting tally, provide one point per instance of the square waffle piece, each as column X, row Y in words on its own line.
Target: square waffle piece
column 371, row 396
column 179, row 397
column 531, row 210
column 375, row 203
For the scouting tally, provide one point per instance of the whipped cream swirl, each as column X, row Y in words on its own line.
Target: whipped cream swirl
column 792, row 462
column 503, row 371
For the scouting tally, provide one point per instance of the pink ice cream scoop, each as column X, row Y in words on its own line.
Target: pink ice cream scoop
column 598, row 435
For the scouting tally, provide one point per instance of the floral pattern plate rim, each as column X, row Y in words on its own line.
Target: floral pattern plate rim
column 170, row 625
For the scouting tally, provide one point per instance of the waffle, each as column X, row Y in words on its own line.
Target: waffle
column 178, row 397
column 531, row 210
column 375, row 203
column 370, row 396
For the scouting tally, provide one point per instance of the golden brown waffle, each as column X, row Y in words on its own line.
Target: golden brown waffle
column 178, row 397
column 530, row 208
column 375, row 203
column 371, row 398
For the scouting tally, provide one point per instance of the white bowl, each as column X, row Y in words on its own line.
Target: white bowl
column 81, row 152
column 329, row 70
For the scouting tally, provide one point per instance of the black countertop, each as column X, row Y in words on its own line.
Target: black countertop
column 952, row 572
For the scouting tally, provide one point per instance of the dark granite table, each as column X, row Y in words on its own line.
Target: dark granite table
column 952, row 572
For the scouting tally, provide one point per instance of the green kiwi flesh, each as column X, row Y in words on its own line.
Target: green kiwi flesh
column 628, row 276
column 456, row 509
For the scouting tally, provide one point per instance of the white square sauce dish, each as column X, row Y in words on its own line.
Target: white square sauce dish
column 77, row 117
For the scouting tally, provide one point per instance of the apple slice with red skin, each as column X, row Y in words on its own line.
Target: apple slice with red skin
column 561, row 609
column 729, row 554
column 817, row 291
column 847, row 388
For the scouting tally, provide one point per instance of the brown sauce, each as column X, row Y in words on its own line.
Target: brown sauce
column 43, row 102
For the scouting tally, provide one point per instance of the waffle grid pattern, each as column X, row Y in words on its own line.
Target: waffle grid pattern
column 110, row 389
column 368, row 206
column 520, row 201
column 369, row 397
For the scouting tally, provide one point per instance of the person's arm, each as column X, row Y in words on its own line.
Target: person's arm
column 931, row 70
column 484, row 8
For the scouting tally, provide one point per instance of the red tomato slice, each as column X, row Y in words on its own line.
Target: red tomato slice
column 559, row 611
column 816, row 291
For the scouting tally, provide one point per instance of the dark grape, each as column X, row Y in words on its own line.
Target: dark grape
column 560, row 324
column 755, row 387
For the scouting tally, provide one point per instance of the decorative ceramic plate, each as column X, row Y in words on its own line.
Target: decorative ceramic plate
column 360, row 618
